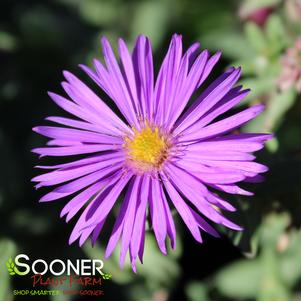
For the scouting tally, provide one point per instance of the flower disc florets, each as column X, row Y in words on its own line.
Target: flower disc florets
column 147, row 149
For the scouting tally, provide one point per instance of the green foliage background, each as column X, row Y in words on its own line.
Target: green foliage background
column 39, row 39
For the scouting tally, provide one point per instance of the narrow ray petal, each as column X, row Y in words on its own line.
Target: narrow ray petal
column 157, row 213
column 139, row 224
column 129, row 219
column 215, row 92
column 223, row 126
column 183, row 210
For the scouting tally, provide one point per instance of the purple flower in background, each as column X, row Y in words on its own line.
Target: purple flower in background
column 159, row 152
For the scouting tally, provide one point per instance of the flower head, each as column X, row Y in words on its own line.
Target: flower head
column 161, row 153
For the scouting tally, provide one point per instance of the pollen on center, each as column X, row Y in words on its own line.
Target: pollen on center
column 147, row 149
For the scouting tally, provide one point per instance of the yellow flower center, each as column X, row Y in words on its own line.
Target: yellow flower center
column 147, row 149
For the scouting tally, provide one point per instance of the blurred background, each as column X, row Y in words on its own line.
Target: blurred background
column 39, row 39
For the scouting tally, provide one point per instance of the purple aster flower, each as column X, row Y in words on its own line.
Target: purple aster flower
column 159, row 152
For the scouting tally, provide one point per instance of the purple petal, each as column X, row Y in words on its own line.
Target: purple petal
column 232, row 189
column 83, row 182
column 215, row 92
column 76, row 135
column 157, row 213
column 166, row 77
column 220, row 203
column 183, row 210
column 171, row 229
column 129, row 219
column 189, row 187
column 60, row 176
column 219, row 155
column 118, row 226
column 86, row 115
column 78, row 124
column 104, row 80
column 129, row 75
column 103, row 205
column 76, row 185
column 173, row 60
column 189, row 86
column 116, row 78
column 245, row 167
column 60, row 142
column 81, row 225
column 225, row 144
column 182, row 84
column 209, row 66
column 204, row 225
column 85, row 161
column 96, row 232
column 76, row 203
column 246, row 137
column 86, row 98
column 209, row 174
column 143, row 70
column 255, row 179
column 221, row 177
column 140, row 216
column 231, row 99
column 184, row 176
column 74, row 149
column 142, row 242
column 224, row 125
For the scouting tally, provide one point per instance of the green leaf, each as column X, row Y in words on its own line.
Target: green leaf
column 248, row 65
column 272, row 145
column 196, row 291
column 258, row 86
column 274, row 29
column 151, row 18
column 99, row 12
column 277, row 107
column 7, row 41
column 290, row 263
column 272, row 287
column 234, row 46
column 7, row 250
column 255, row 37
column 274, row 226
column 240, row 280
